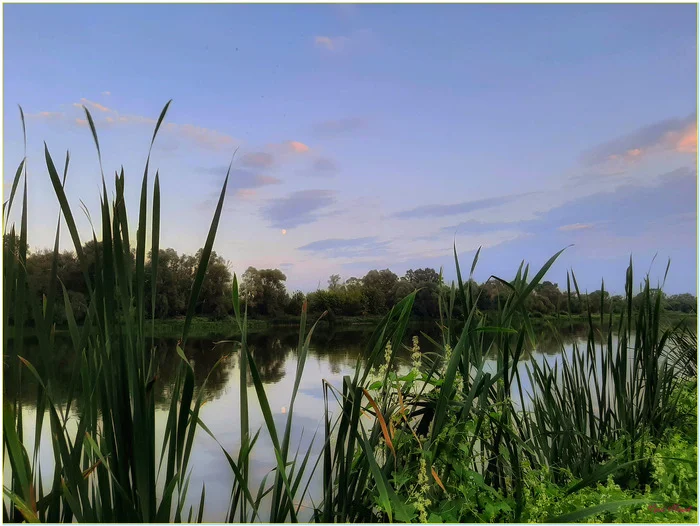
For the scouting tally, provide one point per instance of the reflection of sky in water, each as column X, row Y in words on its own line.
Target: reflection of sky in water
column 332, row 355
column 546, row 358
column 223, row 419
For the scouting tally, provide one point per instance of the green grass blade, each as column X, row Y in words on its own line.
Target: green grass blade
column 9, row 202
column 67, row 214
column 155, row 253
column 579, row 515
column 204, row 260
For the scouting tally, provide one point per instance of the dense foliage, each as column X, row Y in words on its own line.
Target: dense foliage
column 267, row 296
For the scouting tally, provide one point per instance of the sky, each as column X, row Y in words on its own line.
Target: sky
column 373, row 136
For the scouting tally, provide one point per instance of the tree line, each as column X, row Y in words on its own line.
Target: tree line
column 266, row 295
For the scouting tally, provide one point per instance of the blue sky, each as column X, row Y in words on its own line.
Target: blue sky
column 373, row 136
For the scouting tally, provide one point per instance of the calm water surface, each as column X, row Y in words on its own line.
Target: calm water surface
column 333, row 354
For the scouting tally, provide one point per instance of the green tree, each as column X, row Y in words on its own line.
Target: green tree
column 685, row 303
column 553, row 299
column 422, row 275
column 427, row 283
column 215, row 296
column 594, row 299
column 264, row 290
column 296, row 301
column 334, row 282
column 377, row 288
column 617, row 304
column 170, row 289
column 491, row 294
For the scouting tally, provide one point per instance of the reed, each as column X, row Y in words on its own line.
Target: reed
column 109, row 465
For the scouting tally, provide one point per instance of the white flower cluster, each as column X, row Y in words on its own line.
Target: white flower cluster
column 387, row 359
column 416, row 355
column 422, row 501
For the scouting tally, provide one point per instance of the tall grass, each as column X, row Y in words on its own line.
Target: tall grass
column 395, row 439
column 616, row 390
column 453, row 422
column 108, row 465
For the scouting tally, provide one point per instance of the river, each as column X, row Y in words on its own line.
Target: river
column 332, row 355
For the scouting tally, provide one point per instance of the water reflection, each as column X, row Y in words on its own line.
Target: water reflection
column 272, row 351
column 332, row 354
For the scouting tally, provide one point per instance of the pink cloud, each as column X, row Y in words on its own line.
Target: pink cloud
column 685, row 141
column 94, row 105
column 672, row 135
column 245, row 194
column 266, row 179
column 298, row 147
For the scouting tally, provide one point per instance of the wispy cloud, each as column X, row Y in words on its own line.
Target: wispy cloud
column 324, row 166
column 575, row 226
column 258, row 160
column 206, row 138
column 345, row 11
column 331, row 43
column 202, row 137
column 46, row 115
column 140, row 119
column 629, row 209
column 477, row 227
column 679, row 135
column 104, row 116
column 93, row 105
column 242, row 184
column 106, row 93
column 245, row 194
column 335, row 127
column 440, row 210
column 358, row 247
column 297, row 209
column 241, row 178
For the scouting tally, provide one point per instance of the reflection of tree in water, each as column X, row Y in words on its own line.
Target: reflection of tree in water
column 202, row 355
column 549, row 340
column 270, row 352
column 343, row 347
column 59, row 368
column 338, row 348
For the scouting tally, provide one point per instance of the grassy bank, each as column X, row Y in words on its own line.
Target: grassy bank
column 667, row 316
column 609, row 435
column 205, row 327
column 202, row 327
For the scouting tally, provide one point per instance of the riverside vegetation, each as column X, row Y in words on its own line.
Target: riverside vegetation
column 610, row 436
column 355, row 300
